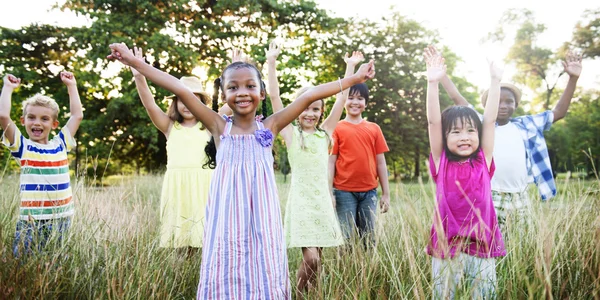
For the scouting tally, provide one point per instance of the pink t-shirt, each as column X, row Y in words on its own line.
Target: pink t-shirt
column 465, row 219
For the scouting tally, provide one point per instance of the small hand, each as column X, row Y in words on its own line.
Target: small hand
column 495, row 71
column 366, row 71
column 384, row 204
column 120, row 52
column 436, row 68
column 68, row 78
column 430, row 52
column 137, row 52
column 356, row 58
column 237, row 55
column 572, row 64
column 273, row 52
column 11, row 81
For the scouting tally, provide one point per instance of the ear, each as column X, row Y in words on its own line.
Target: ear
column 263, row 94
column 22, row 120
column 54, row 124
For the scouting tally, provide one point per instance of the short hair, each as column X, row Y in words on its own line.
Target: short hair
column 362, row 89
column 43, row 101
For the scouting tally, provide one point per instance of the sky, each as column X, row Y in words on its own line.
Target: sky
column 461, row 25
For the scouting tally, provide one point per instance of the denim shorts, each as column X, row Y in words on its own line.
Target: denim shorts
column 357, row 212
column 37, row 234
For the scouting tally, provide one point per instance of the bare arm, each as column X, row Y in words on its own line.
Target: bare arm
column 213, row 122
column 159, row 118
column 272, row 53
column 382, row 173
column 572, row 66
column 330, row 123
column 10, row 84
column 74, row 102
column 436, row 69
column 490, row 113
column 447, row 83
column 292, row 111
column 331, row 173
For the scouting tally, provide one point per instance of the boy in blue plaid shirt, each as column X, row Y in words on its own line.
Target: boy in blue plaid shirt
column 520, row 150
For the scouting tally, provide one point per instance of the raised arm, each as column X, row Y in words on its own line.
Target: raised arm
column 436, row 69
column 330, row 123
column 572, row 66
column 273, row 89
column 159, row 118
column 74, row 102
column 292, row 111
column 213, row 122
column 10, row 84
column 447, row 84
column 490, row 113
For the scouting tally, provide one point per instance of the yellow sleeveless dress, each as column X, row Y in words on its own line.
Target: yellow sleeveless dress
column 185, row 188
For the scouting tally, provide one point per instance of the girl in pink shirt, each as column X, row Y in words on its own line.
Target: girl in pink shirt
column 465, row 238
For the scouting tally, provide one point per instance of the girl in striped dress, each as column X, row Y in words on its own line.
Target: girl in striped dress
column 244, row 253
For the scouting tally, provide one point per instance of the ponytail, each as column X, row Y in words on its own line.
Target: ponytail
column 211, row 148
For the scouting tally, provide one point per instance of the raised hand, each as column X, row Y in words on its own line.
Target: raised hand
column 366, row 71
column 11, row 81
column 572, row 64
column 273, row 52
column 237, row 55
column 430, row 52
column 495, row 71
column 137, row 52
column 68, row 78
column 356, row 58
column 436, row 67
column 120, row 52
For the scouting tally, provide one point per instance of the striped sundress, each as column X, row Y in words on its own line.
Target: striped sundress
column 244, row 253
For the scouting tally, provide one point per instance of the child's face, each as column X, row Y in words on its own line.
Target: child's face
column 309, row 118
column 242, row 90
column 38, row 122
column 183, row 111
column 507, row 106
column 355, row 105
column 463, row 139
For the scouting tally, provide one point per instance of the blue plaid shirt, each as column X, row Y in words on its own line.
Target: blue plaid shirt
column 532, row 129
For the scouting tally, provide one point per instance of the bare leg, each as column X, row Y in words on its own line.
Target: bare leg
column 307, row 274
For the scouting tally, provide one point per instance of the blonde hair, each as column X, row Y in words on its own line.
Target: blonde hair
column 299, row 92
column 43, row 101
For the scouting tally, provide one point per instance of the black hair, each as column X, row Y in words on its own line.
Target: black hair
column 467, row 115
column 362, row 89
column 210, row 149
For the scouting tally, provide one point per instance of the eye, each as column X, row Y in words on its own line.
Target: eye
column 232, row 87
column 251, row 86
column 472, row 130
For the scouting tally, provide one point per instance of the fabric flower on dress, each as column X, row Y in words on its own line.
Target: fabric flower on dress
column 264, row 137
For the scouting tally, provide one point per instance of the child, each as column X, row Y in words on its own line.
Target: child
column 357, row 161
column 520, row 150
column 46, row 198
column 244, row 251
column 310, row 221
column 186, row 183
column 465, row 238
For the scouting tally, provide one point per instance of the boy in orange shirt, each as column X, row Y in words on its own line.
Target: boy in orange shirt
column 356, row 163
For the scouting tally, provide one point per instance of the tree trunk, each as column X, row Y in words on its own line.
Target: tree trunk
column 417, row 162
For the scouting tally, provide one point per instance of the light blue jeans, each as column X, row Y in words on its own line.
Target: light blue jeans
column 357, row 214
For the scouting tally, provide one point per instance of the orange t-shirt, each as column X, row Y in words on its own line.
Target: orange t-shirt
column 357, row 146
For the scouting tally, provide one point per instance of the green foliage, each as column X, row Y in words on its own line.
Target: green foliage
column 586, row 35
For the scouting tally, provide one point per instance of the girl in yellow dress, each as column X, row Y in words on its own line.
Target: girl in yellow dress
column 186, row 183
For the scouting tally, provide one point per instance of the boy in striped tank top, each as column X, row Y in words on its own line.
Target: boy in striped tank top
column 46, row 199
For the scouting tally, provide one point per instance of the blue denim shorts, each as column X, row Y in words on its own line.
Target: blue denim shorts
column 36, row 234
column 357, row 212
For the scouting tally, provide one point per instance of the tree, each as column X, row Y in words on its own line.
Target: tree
column 586, row 34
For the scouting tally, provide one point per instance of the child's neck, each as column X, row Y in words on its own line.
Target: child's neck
column 189, row 122
column 245, row 123
column 354, row 119
column 308, row 129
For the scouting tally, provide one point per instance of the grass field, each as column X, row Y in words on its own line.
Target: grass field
column 112, row 250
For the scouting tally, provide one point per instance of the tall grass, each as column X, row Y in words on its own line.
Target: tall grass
column 111, row 251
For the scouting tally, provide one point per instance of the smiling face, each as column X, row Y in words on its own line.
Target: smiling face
column 463, row 138
column 38, row 122
column 507, row 106
column 309, row 118
column 355, row 104
column 242, row 89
